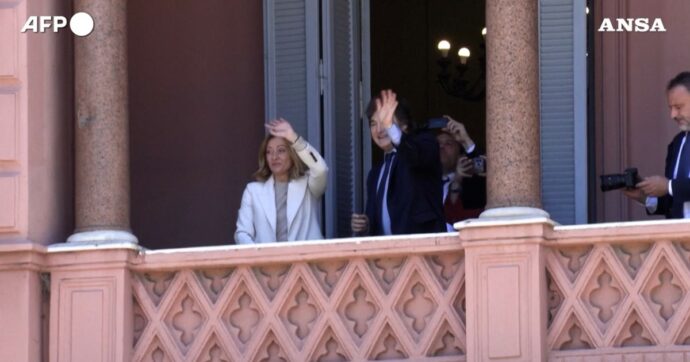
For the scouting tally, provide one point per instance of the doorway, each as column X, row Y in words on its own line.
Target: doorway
column 404, row 57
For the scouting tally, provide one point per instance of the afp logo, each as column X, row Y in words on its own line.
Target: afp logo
column 81, row 24
column 638, row 25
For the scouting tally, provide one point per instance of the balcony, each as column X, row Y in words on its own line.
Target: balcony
column 499, row 290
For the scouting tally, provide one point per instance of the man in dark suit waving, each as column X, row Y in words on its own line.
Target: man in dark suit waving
column 670, row 194
column 404, row 194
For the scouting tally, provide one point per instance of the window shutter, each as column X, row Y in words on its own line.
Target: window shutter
column 563, row 126
column 342, row 113
column 292, row 63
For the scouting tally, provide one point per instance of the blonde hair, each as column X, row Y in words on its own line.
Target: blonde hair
column 297, row 170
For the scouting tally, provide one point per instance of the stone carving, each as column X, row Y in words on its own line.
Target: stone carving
column 360, row 311
column 605, row 297
column 187, row 321
column 634, row 332
column 417, row 308
column 446, row 342
column 216, row 354
column 636, row 338
column 244, row 317
column 155, row 353
column 156, row 284
column 274, row 353
column 189, row 302
column 140, row 320
column 683, row 248
column 445, row 267
column 684, row 335
column 555, row 298
column 459, row 303
column 390, row 350
column 632, row 256
column 302, row 315
column 213, row 281
column 329, row 273
column 332, row 354
column 573, row 258
column 666, row 294
column 448, row 346
column 271, row 277
column 329, row 348
column 576, row 340
column 158, row 356
column 386, row 271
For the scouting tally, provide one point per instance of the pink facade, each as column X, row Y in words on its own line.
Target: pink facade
column 512, row 286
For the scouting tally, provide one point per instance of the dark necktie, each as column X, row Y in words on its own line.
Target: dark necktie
column 684, row 162
column 446, row 180
column 380, row 192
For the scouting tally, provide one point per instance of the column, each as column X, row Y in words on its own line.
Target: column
column 512, row 107
column 101, row 129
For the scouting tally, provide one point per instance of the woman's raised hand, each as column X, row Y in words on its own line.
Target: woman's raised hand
column 282, row 128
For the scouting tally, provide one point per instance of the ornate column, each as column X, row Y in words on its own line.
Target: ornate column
column 101, row 130
column 512, row 107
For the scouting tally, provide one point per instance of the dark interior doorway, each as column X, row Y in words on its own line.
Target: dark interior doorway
column 404, row 56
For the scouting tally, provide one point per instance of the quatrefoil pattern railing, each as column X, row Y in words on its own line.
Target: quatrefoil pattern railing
column 355, row 309
column 624, row 299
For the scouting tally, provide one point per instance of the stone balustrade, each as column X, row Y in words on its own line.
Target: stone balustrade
column 520, row 290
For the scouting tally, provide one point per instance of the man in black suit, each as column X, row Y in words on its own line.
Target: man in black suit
column 404, row 193
column 670, row 194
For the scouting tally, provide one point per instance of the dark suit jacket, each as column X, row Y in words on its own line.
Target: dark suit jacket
column 474, row 188
column 415, row 190
column 672, row 206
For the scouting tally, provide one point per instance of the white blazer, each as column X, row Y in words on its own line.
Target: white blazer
column 256, row 219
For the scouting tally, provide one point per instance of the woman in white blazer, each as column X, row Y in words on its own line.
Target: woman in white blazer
column 285, row 200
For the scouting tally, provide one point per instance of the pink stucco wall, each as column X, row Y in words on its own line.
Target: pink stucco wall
column 35, row 128
column 196, row 116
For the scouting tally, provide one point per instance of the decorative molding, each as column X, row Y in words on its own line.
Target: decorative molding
column 312, row 310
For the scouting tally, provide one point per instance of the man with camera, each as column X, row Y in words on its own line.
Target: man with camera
column 670, row 194
column 464, row 182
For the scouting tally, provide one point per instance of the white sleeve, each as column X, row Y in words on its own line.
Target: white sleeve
column 245, row 232
column 318, row 170
column 394, row 133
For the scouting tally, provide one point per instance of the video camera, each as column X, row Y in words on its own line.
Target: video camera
column 628, row 179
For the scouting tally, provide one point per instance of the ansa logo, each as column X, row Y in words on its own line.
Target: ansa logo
column 632, row 24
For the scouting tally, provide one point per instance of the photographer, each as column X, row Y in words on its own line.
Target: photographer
column 670, row 194
column 464, row 182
